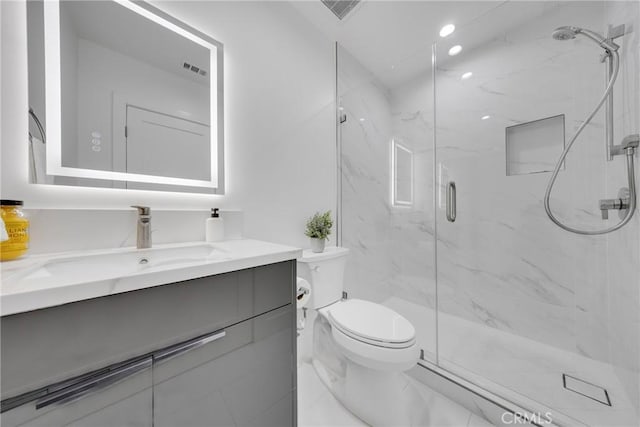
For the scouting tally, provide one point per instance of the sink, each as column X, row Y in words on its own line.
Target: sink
column 120, row 263
column 46, row 280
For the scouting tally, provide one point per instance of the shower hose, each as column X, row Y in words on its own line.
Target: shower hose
column 628, row 154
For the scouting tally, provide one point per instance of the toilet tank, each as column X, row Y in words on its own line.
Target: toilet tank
column 325, row 273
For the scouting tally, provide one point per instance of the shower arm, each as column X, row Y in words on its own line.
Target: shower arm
column 629, row 151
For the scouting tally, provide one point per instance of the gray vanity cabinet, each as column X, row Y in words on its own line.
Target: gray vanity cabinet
column 213, row 351
column 239, row 376
column 115, row 398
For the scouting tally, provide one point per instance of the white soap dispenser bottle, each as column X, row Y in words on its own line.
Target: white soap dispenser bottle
column 215, row 227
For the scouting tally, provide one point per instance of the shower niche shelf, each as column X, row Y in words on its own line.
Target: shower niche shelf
column 534, row 147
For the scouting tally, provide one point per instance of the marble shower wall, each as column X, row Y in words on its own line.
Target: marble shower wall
column 365, row 179
column 623, row 251
column 503, row 263
column 392, row 247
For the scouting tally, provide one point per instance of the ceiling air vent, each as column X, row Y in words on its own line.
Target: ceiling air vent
column 195, row 69
column 340, row 8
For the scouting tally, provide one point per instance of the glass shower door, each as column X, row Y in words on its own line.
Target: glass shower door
column 525, row 309
column 385, row 136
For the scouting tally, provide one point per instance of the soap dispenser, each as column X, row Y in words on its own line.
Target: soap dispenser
column 215, row 227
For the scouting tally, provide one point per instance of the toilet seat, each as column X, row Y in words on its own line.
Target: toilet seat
column 372, row 335
column 371, row 323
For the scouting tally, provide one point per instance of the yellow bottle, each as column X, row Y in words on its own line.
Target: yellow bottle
column 17, row 228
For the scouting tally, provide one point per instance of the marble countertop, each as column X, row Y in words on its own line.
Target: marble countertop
column 47, row 280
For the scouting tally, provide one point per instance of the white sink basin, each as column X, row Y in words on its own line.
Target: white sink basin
column 118, row 264
column 47, row 280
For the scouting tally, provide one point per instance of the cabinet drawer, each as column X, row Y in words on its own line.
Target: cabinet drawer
column 122, row 397
column 241, row 379
column 57, row 343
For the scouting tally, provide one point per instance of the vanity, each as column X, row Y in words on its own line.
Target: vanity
column 124, row 96
column 179, row 335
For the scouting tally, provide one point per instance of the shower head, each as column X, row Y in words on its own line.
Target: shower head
column 569, row 32
column 565, row 33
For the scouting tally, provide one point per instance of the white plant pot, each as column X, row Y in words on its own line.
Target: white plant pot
column 317, row 245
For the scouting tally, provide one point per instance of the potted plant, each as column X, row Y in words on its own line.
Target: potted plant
column 318, row 230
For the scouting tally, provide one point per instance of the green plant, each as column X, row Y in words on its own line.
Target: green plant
column 319, row 226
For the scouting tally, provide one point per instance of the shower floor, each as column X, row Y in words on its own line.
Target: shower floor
column 524, row 371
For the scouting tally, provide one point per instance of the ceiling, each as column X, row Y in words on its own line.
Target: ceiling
column 393, row 38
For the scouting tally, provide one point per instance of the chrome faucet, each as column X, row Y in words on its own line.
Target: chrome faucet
column 143, row 239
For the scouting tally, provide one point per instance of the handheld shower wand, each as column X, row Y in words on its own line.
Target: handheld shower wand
column 628, row 147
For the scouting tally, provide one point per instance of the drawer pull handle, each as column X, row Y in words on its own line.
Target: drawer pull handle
column 182, row 348
column 93, row 384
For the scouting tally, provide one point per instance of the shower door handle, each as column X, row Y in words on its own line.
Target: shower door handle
column 451, row 201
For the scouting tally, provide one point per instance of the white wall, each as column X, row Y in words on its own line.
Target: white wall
column 280, row 127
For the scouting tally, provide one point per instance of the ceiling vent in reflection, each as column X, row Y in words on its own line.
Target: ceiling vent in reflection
column 194, row 68
column 340, row 8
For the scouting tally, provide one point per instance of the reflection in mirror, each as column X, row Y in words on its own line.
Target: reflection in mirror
column 129, row 98
column 402, row 175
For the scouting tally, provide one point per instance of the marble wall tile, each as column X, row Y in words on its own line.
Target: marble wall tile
column 502, row 264
column 623, row 268
column 392, row 247
column 365, row 176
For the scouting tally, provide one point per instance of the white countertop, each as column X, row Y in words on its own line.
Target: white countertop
column 29, row 284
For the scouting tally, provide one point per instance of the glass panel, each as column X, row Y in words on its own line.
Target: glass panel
column 520, row 301
column 386, row 197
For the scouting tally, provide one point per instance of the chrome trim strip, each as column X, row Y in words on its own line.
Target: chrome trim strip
column 188, row 346
column 93, row 384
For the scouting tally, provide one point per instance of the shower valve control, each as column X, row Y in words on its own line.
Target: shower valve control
column 619, row 204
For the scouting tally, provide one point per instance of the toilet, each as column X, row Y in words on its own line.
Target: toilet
column 360, row 348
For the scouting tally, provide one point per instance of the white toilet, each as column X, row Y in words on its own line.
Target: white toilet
column 360, row 348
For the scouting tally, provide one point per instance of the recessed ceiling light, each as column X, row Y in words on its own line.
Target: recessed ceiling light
column 447, row 30
column 455, row 50
column 485, row 117
column 362, row 119
column 466, row 75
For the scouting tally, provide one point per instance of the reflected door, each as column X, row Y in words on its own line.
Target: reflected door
column 164, row 145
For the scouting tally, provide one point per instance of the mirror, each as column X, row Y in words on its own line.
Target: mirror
column 401, row 175
column 128, row 97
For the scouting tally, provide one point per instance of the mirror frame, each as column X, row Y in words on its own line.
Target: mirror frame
column 53, row 102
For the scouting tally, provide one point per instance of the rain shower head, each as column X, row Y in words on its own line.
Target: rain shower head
column 569, row 32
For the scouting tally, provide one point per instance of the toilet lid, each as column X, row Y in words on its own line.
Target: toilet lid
column 371, row 321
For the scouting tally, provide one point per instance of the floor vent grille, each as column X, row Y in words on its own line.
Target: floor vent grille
column 586, row 389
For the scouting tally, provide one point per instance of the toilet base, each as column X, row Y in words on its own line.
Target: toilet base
column 379, row 398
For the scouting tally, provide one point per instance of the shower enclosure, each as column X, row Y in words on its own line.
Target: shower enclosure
column 499, row 295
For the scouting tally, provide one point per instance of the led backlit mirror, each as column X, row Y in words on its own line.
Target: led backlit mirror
column 129, row 97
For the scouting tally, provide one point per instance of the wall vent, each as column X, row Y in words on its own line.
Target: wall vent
column 194, row 68
column 340, row 8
